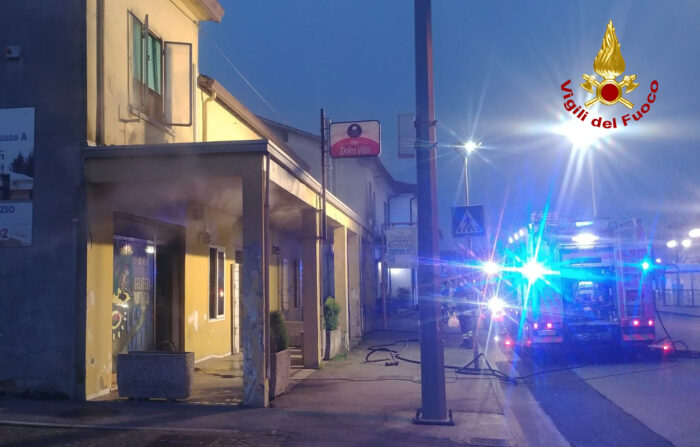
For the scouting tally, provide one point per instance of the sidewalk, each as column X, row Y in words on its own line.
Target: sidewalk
column 692, row 311
column 346, row 402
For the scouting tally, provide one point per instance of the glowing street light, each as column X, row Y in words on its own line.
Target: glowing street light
column 471, row 145
column 672, row 243
column 686, row 243
column 580, row 137
column 695, row 232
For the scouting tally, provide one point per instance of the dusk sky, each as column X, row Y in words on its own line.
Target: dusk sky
column 498, row 70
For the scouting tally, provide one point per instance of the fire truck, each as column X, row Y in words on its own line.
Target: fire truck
column 568, row 281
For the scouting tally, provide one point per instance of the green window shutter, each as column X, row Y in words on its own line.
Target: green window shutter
column 154, row 68
column 136, row 48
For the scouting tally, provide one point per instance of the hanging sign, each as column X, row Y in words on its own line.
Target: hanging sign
column 355, row 139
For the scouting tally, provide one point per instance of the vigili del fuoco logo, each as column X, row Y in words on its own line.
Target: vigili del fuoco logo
column 609, row 64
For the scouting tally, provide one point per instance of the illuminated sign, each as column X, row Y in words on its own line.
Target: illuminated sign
column 355, row 139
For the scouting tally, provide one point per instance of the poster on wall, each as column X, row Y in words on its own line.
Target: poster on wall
column 133, row 327
column 402, row 247
column 16, row 176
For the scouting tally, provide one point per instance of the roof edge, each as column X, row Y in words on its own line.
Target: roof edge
column 211, row 85
column 211, row 10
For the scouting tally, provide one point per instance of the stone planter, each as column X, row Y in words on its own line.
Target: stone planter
column 155, row 374
column 333, row 342
column 280, row 366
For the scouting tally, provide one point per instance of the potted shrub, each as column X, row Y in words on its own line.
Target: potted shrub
column 280, row 355
column 331, row 310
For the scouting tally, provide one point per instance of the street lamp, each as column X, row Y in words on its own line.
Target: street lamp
column 582, row 139
column 694, row 233
column 686, row 243
column 672, row 243
column 469, row 147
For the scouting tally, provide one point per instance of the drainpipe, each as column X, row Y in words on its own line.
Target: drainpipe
column 410, row 209
column 99, row 103
column 266, row 264
column 205, row 127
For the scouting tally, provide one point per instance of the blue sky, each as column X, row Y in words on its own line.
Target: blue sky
column 498, row 71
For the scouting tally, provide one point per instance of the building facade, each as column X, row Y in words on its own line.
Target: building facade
column 164, row 215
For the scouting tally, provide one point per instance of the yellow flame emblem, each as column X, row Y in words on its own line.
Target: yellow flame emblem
column 609, row 64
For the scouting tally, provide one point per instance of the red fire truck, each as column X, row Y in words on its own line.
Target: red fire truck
column 579, row 282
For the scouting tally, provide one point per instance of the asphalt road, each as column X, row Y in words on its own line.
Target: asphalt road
column 16, row 436
column 605, row 397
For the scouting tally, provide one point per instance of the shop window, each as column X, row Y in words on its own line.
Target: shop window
column 217, row 290
column 160, row 76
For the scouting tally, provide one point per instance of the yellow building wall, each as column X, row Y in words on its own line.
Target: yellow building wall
column 170, row 21
column 207, row 338
column 217, row 123
column 100, row 267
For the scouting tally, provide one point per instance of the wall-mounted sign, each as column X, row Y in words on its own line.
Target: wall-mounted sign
column 16, row 175
column 355, row 139
column 402, row 247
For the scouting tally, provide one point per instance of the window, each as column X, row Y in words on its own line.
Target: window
column 289, row 279
column 283, row 266
column 217, row 291
column 147, row 70
column 298, row 272
column 160, row 76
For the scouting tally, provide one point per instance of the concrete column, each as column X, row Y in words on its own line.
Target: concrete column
column 340, row 268
column 311, row 288
column 355, row 314
column 370, row 282
column 253, row 293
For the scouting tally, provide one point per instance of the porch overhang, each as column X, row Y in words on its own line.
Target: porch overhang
column 168, row 162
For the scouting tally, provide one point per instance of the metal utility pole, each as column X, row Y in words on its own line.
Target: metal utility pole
column 433, row 401
column 324, row 219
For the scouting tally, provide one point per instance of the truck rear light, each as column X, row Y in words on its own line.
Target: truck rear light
column 508, row 342
column 549, row 325
column 651, row 322
column 535, row 325
column 635, row 322
column 666, row 347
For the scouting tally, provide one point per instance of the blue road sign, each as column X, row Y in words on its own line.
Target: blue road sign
column 467, row 221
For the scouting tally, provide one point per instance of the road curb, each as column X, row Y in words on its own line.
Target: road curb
column 678, row 313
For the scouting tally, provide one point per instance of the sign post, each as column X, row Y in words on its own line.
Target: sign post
column 468, row 221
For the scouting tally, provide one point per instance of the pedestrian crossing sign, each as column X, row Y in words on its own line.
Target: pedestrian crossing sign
column 467, row 221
